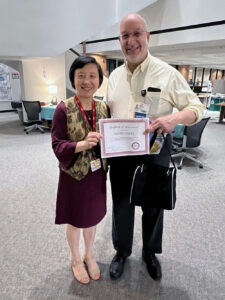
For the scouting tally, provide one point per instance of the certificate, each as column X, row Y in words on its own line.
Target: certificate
column 122, row 137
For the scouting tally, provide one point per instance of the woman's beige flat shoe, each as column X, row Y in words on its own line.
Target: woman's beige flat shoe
column 93, row 268
column 80, row 272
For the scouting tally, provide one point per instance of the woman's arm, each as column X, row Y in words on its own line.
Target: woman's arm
column 63, row 147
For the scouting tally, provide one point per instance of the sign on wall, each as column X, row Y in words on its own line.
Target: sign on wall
column 15, row 75
column 5, row 86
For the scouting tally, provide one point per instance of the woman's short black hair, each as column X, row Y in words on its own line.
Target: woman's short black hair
column 79, row 63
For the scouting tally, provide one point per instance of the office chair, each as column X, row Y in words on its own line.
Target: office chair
column 33, row 109
column 16, row 104
column 191, row 139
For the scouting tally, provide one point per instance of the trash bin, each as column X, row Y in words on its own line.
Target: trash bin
column 213, row 101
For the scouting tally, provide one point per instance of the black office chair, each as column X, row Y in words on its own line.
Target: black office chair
column 16, row 104
column 191, row 139
column 33, row 109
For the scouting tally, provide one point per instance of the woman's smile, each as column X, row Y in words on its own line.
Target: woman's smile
column 87, row 88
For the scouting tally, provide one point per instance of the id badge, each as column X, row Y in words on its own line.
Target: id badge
column 157, row 146
column 95, row 165
column 139, row 115
column 141, row 110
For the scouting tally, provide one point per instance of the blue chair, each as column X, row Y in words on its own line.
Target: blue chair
column 178, row 131
column 191, row 139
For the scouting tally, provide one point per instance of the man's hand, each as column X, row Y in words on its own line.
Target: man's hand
column 164, row 124
column 167, row 123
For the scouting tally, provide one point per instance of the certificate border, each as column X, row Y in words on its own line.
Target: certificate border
column 123, row 153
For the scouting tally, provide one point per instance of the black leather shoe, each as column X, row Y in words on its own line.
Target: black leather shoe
column 117, row 266
column 153, row 266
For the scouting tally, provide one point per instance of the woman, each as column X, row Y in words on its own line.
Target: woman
column 81, row 197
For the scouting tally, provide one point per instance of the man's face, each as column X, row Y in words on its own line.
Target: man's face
column 134, row 40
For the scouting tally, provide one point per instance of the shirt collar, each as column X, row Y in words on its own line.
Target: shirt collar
column 141, row 67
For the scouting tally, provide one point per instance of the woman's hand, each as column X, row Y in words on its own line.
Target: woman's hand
column 89, row 142
column 92, row 139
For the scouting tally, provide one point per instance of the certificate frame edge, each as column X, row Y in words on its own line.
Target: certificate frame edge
column 124, row 153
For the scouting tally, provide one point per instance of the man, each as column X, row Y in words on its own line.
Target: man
column 158, row 87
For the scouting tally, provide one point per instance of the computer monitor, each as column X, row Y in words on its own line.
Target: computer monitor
column 219, row 87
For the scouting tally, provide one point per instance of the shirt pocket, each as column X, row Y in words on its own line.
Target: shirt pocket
column 158, row 106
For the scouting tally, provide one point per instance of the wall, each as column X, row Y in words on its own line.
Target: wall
column 15, row 83
column 38, row 74
column 213, row 76
column 46, row 28
column 184, row 70
column 69, row 59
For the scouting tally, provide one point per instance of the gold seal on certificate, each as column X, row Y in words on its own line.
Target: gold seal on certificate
column 122, row 137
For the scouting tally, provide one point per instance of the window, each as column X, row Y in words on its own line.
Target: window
column 113, row 64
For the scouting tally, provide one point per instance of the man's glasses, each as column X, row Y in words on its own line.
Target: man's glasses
column 136, row 34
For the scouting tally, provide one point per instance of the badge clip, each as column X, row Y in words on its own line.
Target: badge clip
column 143, row 93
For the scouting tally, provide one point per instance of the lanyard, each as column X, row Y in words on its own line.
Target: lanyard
column 84, row 115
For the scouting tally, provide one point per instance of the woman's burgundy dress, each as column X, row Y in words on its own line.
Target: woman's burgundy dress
column 79, row 203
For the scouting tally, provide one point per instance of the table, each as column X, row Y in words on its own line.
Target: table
column 47, row 112
column 222, row 111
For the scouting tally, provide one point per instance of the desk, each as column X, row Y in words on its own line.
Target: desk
column 47, row 112
column 222, row 111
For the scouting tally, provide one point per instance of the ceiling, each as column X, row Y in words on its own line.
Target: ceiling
column 46, row 28
column 179, row 34
column 195, row 54
column 210, row 54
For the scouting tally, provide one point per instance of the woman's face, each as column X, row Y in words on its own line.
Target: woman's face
column 86, row 80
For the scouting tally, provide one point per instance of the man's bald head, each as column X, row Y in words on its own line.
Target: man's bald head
column 133, row 17
column 134, row 39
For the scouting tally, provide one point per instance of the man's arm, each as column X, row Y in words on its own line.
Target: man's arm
column 189, row 106
column 167, row 123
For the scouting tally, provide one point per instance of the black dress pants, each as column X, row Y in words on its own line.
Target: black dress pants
column 121, row 175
